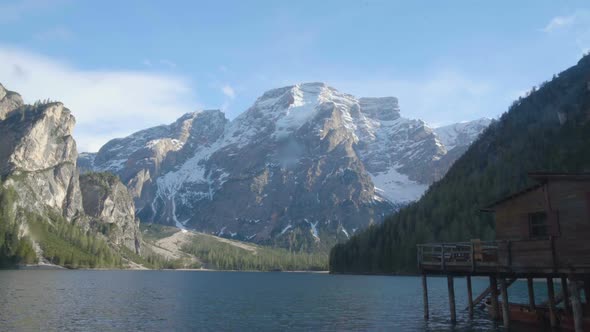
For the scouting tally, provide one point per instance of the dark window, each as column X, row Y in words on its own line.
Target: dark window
column 538, row 224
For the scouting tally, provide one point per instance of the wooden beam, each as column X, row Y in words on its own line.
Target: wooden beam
column 576, row 305
column 494, row 298
column 425, row 296
column 469, row 296
column 587, row 290
column 451, row 287
column 551, row 298
column 487, row 292
column 529, row 282
column 565, row 295
column 505, row 303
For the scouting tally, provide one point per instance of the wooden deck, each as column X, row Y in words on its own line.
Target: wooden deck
column 520, row 257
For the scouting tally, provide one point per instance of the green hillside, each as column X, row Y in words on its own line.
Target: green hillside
column 200, row 250
column 548, row 130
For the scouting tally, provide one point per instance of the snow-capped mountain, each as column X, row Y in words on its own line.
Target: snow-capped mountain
column 462, row 133
column 304, row 165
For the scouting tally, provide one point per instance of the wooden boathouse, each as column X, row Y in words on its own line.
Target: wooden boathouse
column 541, row 232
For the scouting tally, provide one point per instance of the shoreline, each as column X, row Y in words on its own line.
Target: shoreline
column 46, row 267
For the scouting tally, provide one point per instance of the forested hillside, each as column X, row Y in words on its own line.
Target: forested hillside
column 548, row 130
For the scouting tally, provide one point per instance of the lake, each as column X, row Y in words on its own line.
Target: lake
column 193, row 300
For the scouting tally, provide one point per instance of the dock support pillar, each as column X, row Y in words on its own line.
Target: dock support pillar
column 505, row 303
column 587, row 290
column 425, row 296
column 469, row 296
column 566, row 297
column 494, row 297
column 576, row 305
column 451, row 287
column 529, row 283
column 551, row 294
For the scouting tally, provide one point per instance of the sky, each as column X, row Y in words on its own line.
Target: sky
column 122, row 66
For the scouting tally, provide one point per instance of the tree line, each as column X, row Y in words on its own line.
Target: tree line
column 548, row 130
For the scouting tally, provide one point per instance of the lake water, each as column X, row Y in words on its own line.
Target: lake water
column 231, row 301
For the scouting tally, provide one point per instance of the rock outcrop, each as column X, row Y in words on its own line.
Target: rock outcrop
column 38, row 158
column 111, row 208
column 9, row 101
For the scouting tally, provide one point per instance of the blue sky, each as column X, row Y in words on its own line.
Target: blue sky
column 121, row 66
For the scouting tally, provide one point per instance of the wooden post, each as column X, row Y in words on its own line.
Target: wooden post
column 469, row 296
column 451, row 287
column 587, row 290
column 529, row 282
column 551, row 294
column 494, row 297
column 425, row 296
column 505, row 303
column 442, row 256
column 576, row 305
column 564, row 291
column 472, row 260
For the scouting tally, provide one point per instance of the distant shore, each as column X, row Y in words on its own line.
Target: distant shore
column 58, row 267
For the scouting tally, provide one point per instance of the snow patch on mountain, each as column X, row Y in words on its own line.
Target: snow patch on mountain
column 397, row 187
column 462, row 133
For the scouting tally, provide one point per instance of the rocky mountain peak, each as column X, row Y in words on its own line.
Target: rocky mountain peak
column 38, row 158
column 305, row 161
column 9, row 101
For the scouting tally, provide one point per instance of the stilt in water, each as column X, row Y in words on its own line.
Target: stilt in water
column 576, row 304
column 505, row 303
column 469, row 296
column 494, row 297
column 551, row 294
column 564, row 291
column 425, row 296
column 529, row 282
column 451, row 287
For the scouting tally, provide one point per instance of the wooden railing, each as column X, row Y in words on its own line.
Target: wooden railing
column 506, row 254
column 468, row 254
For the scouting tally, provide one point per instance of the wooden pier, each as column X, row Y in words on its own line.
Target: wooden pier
column 542, row 232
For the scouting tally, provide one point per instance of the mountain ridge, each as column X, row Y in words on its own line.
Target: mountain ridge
column 305, row 131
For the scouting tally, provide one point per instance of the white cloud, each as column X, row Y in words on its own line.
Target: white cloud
column 228, row 91
column 147, row 62
column 106, row 103
column 576, row 25
column 560, row 22
column 223, row 69
column 444, row 97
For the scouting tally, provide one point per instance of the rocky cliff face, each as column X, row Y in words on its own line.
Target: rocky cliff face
column 111, row 208
column 38, row 158
column 304, row 164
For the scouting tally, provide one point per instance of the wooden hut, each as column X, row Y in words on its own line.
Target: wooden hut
column 541, row 232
